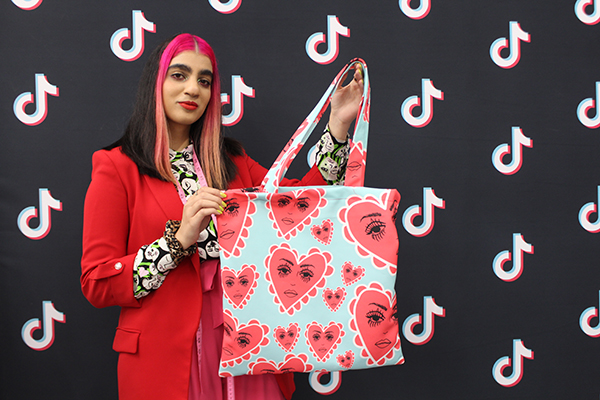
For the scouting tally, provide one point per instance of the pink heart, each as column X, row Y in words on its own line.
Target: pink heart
column 369, row 223
column 295, row 279
column 287, row 338
column 291, row 211
column 323, row 341
column 346, row 360
column 351, row 274
column 240, row 341
column 334, row 299
column 291, row 363
column 374, row 319
column 233, row 224
column 323, row 232
column 239, row 286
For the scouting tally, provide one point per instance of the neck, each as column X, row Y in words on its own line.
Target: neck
column 179, row 139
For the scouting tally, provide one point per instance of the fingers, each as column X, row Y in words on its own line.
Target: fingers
column 196, row 214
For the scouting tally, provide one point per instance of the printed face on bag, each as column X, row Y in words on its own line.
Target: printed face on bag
column 370, row 224
column 231, row 210
column 235, row 341
column 292, row 211
column 236, row 287
column 292, row 279
column 374, row 318
column 291, row 208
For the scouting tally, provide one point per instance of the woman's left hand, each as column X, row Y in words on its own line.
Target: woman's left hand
column 344, row 104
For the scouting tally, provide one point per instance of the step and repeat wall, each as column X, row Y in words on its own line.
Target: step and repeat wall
column 484, row 116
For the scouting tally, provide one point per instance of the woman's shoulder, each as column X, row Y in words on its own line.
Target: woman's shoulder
column 114, row 156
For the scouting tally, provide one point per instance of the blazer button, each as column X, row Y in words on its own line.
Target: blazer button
column 118, row 266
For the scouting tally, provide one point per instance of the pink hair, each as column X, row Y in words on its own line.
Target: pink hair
column 210, row 149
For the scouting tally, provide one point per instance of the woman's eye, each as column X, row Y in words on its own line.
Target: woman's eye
column 305, row 275
column 204, row 82
column 376, row 229
column 302, row 205
column 178, row 76
column 316, row 337
column 244, row 282
column 242, row 341
column 229, row 282
column 374, row 318
column 284, row 270
column 282, row 202
column 329, row 337
column 232, row 209
column 281, row 336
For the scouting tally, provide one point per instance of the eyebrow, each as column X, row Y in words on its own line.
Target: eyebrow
column 380, row 306
column 186, row 68
column 371, row 215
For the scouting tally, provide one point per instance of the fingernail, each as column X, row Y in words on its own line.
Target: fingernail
column 223, row 194
column 223, row 204
column 221, row 209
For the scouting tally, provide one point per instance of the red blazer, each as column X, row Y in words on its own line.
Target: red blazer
column 123, row 211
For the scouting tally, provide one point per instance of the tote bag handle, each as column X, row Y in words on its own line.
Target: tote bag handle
column 355, row 169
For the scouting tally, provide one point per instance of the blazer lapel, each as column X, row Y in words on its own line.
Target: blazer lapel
column 166, row 196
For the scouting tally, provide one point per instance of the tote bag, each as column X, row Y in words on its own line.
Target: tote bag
column 308, row 273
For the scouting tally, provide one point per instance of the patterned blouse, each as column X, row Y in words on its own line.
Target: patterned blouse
column 153, row 262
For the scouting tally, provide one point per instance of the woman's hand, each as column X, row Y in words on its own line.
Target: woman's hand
column 196, row 214
column 344, row 104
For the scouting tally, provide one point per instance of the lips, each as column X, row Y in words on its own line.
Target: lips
column 188, row 105
column 383, row 343
column 226, row 234
column 290, row 293
column 287, row 221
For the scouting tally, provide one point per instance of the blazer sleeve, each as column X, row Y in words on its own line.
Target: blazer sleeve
column 107, row 269
column 257, row 173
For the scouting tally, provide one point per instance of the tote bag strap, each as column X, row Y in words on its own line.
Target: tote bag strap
column 355, row 170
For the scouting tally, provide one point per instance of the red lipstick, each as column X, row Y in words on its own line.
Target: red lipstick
column 188, row 105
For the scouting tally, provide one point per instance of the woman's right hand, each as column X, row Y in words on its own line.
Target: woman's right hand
column 196, row 214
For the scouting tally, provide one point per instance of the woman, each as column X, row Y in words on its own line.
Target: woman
column 148, row 215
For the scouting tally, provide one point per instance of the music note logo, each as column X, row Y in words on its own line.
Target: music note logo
column 47, row 202
column 584, row 216
column 50, row 314
column 228, row 7
column 239, row 89
column 42, row 89
column 519, row 353
column 415, row 13
column 430, row 202
column 585, row 321
column 515, row 150
column 585, row 106
column 516, row 35
column 27, row 5
column 580, row 11
column 334, row 30
column 429, row 92
column 520, row 246
column 430, row 309
column 140, row 24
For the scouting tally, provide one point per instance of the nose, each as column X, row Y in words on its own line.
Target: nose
column 191, row 88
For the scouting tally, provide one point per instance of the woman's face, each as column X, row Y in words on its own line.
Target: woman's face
column 186, row 90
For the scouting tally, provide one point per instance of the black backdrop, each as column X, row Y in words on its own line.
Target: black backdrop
column 481, row 317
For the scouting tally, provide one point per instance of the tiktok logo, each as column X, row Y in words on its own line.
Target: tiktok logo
column 334, row 29
column 429, row 93
column 518, row 141
column 584, row 216
column 239, row 90
column 27, row 4
column 585, row 319
column 335, row 381
column 42, row 90
column 46, row 203
column 415, row 13
column 430, row 202
column 519, row 352
column 228, row 7
column 49, row 316
column 585, row 106
column 589, row 19
column 516, row 34
column 140, row 24
column 430, row 309
column 520, row 246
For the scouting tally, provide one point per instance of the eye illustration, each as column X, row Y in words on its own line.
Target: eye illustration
column 232, row 207
column 374, row 318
